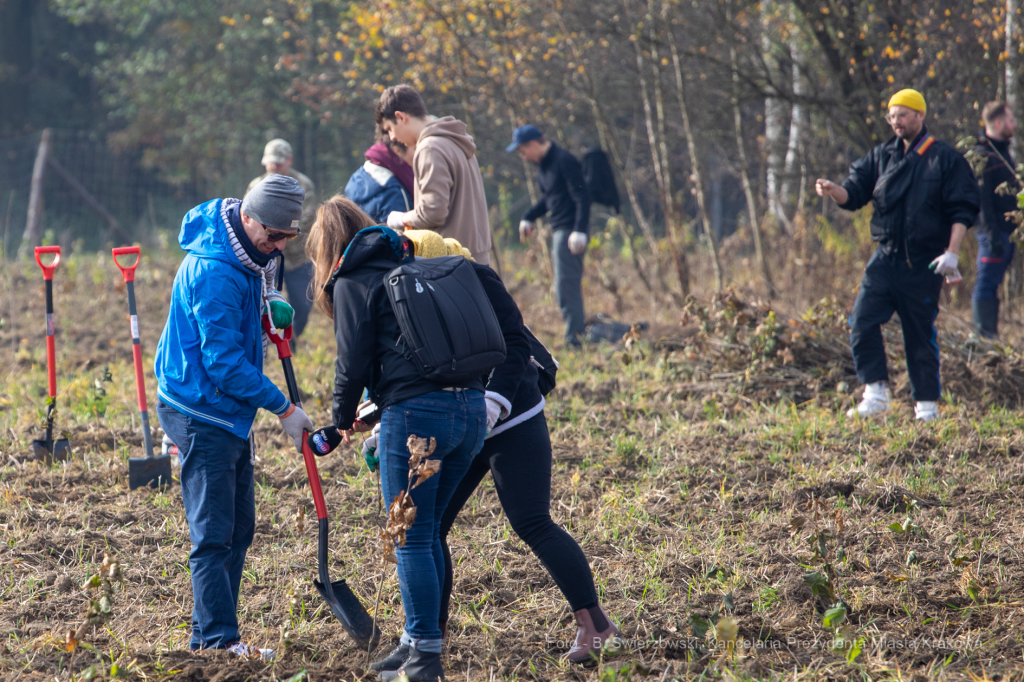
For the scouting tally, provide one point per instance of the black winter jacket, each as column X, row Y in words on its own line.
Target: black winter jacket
column 565, row 196
column 514, row 382
column 363, row 320
column 942, row 191
column 994, row 207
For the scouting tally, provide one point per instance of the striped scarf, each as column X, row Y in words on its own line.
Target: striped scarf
column 267, row 291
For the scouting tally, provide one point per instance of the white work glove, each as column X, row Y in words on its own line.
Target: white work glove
column 946, row 265
column 396, row 220
column 578, row 242
column 294, row 421
column 371, row 444
column 525, row 230
column 494, row 412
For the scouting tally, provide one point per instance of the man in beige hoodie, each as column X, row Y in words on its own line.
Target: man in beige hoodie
column 449, row 188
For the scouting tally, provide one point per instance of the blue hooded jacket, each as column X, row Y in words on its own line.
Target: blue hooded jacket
column 378, row 192
column 209, row 362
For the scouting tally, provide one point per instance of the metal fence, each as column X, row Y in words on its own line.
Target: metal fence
column 87, row 187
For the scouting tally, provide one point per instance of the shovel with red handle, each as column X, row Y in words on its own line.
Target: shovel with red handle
column 344, row 604
column 148, row 470
column 48, row 449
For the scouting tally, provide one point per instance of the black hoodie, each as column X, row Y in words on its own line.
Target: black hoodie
column 363, row 320
column 998, row 169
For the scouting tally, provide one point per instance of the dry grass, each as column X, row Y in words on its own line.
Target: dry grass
column 691, row 506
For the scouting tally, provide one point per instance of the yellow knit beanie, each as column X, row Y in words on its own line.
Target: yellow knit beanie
column 429, row 244
column 912, row 99
column 456, row 249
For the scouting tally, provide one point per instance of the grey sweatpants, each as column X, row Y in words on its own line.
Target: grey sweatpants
column 568, row 276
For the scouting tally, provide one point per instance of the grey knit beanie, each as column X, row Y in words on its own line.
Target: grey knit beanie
column 276, row 202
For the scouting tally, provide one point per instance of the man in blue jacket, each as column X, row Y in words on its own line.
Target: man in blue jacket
column 925, row 197
column 564, row 197
column 209, row 364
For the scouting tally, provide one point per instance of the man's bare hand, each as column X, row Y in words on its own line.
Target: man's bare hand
column 827, row 188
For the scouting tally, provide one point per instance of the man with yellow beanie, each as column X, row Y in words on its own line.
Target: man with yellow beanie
column 925, row 196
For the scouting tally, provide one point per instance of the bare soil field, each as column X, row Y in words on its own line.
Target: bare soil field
column 738, row 524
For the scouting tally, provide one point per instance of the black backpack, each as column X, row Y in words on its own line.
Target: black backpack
column 547, row 366
column 600, row 179
column 449, row 329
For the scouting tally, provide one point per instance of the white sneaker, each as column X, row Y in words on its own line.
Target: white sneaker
column 245, row 651
column 926, row 410
column 875, row 401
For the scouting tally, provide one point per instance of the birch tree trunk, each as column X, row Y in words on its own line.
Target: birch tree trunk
column 797, row 118
column 748, row 191
column 773, row 113
column 665, row 192
column 691, row 146
column 1013, row 58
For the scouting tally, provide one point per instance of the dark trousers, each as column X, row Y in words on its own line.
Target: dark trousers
column 568, row 286
column 520, row 461
column 220, row 505
column 994, row 255
column 296, row 284
column 890, row 286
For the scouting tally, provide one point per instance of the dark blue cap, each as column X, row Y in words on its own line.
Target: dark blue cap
column 522, row 135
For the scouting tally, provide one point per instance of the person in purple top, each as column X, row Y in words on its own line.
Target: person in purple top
column 383, row 184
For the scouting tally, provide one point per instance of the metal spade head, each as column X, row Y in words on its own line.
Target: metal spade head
column 50, row 451
column 347, row 608
column 152, row 471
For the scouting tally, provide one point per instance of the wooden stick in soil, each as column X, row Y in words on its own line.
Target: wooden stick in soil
column 380, row 586
column 10, row 279
column 376, row 606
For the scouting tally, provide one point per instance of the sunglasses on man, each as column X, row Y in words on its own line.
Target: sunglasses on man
column 275, row 236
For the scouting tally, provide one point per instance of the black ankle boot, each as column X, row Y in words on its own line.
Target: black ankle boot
column 394, row 660
column 422, row 666
column 986, row 317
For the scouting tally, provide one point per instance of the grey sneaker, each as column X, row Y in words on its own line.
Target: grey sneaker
column 243, row 650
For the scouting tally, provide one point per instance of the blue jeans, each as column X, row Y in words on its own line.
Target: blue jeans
column 994, row 255
column 458, row 421
column 218, row 491
column 296, row 283
column 568, row 286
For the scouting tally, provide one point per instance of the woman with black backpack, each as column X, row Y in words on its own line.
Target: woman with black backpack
column 354, row 274
column 517, row 453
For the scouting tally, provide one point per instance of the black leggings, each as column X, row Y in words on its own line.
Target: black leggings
column 520, row 461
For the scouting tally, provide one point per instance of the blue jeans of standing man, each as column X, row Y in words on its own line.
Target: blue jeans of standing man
column 457, row 419
column 568, row 286
column 296, row 284
column 218, row 491
column 995, row 251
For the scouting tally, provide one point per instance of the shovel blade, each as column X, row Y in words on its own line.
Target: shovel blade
column 50, row 451
column 347, row 608
column 149, row 471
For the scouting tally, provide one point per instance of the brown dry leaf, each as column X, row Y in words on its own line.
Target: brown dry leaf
column 419, row 449
column 70, row 641
column 425, row 470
